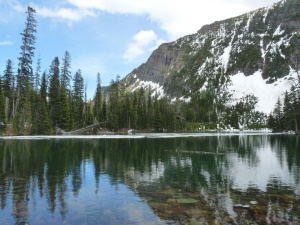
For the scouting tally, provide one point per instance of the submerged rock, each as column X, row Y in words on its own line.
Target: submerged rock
column 187, row 201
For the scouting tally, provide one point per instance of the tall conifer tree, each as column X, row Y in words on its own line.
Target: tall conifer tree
column 66, row 71
column 41, row 123
column 8, row 89
column 2, row 110
column 77, row 101
column 98, row 100
column 25, row 73
column 37, row 76
column 54, row 92
column 114, row 104
column 65, row 117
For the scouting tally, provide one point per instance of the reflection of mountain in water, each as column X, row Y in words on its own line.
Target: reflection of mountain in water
column 177, row 186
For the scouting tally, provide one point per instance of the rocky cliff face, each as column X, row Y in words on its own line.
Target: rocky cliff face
column 266, row 40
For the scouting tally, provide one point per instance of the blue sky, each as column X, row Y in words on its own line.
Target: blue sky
column 111, row 37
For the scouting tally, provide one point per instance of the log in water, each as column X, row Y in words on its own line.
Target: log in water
column 200, row 152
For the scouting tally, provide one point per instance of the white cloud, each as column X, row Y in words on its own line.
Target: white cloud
column 179, row 17
column 17, row 6
column 71, row 15
column 143, row 39
column 6, row 43
column 63, row 13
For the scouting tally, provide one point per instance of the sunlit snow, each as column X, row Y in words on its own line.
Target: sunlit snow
column 267, row 93
column 278, row 32
column 155, row 87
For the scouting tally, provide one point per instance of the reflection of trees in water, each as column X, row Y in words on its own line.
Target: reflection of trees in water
column 287, row 148
column 55, row 166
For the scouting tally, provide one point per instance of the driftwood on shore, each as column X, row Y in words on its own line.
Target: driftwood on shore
column 200, row 152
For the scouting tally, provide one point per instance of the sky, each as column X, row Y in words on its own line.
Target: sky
column 110, row 37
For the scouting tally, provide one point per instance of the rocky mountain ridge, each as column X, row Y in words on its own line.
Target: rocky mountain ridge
column 264, row 41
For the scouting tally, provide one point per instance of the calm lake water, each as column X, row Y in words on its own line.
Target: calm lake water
column 246, row 179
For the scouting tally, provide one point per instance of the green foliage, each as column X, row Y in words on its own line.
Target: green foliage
column 180, row 86
column 2, row 110
column 89, row 117
column 286, row 114
column 114, row 104
column 247, row 60
column 41, row 123
column 77, row 100
column 98, row 100
column 275, row 119
column 65, row 70
column 9, row 89
column 54, row 92
column 22, row 120
column 275, row 66
column 64, row 121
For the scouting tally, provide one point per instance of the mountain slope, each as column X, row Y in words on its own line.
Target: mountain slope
column 261, row 46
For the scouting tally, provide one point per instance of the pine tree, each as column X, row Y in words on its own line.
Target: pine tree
column 126, row 107
column 43, row 90
column 2, row 110
column 286, row 112
column 158, row 117
column 141, row 109
column 114, row 104
column 104, row 111
column 294, row 96
column 37, row 75
column 66, row 71
column 278, row 115
column 297, row 114
column 42, row 124
column 134, row 111
column 149, row 119
column 65, row 117
column 89, row 114
column 98, row 100
column 25, row 74
column 8, row 90
column 54, row 92
column 77, row 100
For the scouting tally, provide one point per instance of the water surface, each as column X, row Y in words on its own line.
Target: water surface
column 246, row 179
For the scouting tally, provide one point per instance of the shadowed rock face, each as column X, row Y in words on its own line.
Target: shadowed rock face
column 163, row 61
column 264, row 40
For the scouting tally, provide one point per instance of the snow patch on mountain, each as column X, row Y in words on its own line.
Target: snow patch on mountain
column 267, row 93
column 278, row 32
column 156, row 88
column 266, row 14
column 225, row 57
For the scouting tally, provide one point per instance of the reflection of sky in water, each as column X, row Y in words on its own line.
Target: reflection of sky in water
column 113, row 203
column 109, row 202
column 268, row 168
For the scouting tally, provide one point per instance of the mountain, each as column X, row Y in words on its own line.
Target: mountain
column 252, row 54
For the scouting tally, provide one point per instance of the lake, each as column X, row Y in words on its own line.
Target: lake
column 150, row 179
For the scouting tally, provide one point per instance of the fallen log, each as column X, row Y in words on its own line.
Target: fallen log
column 200, row 152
